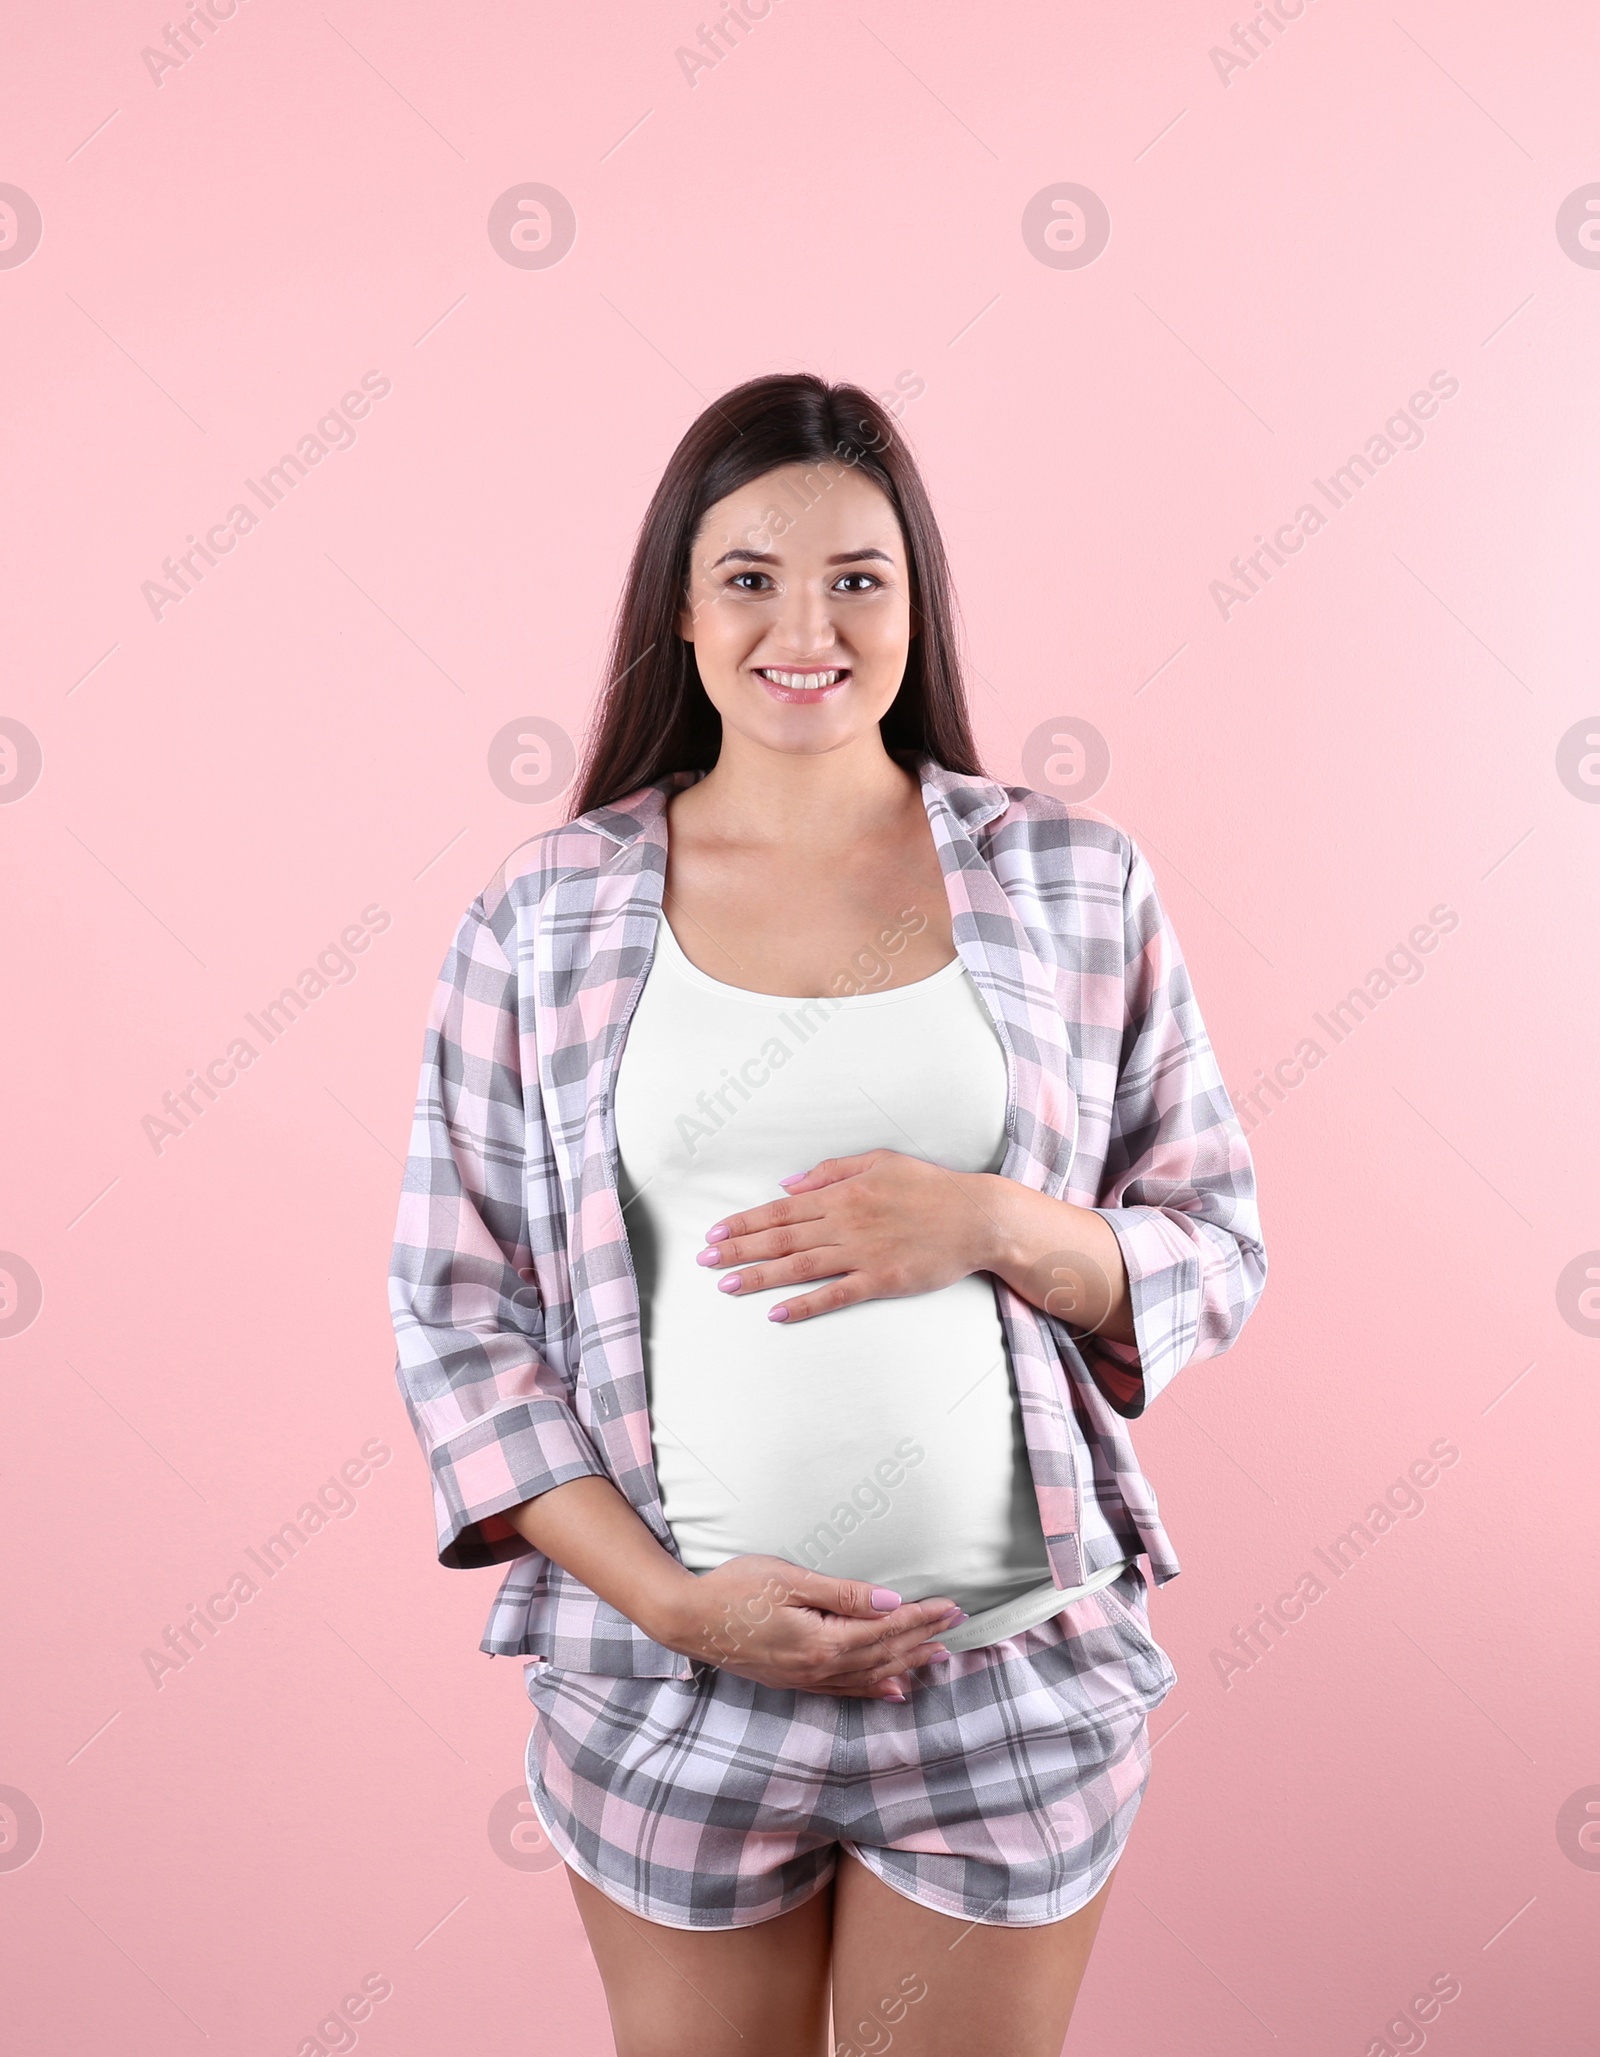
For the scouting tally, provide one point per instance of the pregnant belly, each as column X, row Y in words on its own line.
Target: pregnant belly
column 879, row 1442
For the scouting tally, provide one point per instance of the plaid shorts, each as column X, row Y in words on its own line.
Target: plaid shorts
column 1002, row 1791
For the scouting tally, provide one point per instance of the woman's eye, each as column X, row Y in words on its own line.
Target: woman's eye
column 761, row 582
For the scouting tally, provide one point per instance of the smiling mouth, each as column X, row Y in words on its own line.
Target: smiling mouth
column 816, row 681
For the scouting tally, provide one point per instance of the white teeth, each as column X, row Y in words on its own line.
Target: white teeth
column 800, row 681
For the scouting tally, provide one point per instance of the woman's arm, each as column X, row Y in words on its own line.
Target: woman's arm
column 1177, row 1185
column 757, row 1616
column 512, row 1466
column 1161, row 1271
column 589, row 1529
column 1063, row 1259
column 895, row 1225
column 493, row 1414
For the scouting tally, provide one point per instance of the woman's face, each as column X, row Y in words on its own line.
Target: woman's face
column 799, row 607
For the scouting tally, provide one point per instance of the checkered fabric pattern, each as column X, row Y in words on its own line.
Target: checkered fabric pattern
column 1002, row 1791
column 512, row 1290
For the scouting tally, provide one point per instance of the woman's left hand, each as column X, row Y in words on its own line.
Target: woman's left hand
column 883, row 1225
column 890, row 1224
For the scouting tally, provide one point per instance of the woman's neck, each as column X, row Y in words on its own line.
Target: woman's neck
column 754, row 796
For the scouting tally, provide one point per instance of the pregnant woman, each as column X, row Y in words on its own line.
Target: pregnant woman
column 819, row 1159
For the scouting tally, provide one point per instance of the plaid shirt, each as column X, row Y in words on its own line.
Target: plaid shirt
column 515, row 1306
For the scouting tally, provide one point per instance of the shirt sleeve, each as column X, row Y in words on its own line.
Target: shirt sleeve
column 495, row 1421
column 1178, row 1189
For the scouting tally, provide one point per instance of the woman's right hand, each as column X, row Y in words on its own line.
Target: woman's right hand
column 767, row 1620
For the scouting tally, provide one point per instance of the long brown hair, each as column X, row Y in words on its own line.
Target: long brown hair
column 654, row 715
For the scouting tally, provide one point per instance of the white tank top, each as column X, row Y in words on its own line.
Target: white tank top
column 881, row 1441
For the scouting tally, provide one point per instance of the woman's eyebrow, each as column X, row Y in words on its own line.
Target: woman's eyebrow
column 766, row 557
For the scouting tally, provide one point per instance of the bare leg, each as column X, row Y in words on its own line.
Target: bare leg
column 931, row 1986
column 678, row 1992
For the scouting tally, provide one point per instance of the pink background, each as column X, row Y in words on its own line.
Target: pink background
column 1373, row 199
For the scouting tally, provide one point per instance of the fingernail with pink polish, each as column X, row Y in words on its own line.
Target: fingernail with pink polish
column 884, row 1600
column 730, row 1284
column 778, row 1314
column 717, row 1235
column 793, row 1179
column 708, row 1257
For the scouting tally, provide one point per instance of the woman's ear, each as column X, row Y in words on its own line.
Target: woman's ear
column 686, row 614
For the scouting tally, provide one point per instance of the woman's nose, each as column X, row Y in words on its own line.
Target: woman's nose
column 805, row 620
